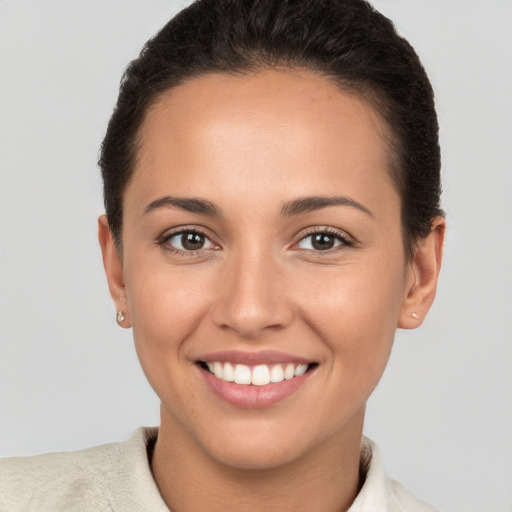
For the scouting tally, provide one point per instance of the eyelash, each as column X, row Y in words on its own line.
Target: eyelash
column 344, row 240
column 164, row 241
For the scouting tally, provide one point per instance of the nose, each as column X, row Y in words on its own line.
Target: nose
column 253, row 298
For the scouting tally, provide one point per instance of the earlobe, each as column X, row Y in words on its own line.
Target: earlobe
column 422, row 277
column 113, row 265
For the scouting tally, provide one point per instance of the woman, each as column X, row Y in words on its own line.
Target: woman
column 271, row 183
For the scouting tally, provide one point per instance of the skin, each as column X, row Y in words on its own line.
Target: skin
column 251, row 144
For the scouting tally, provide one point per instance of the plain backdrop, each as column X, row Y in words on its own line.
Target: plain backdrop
column 69, row 377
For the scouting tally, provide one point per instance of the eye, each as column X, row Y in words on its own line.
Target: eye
column 322, row 241
column 189, row 241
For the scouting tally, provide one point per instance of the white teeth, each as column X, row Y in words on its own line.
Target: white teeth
column 277, row 373
column 228, row 373
column 217, row 370
column 242, row 374
column 289, row 371
column 301, row 370
column 259, row 375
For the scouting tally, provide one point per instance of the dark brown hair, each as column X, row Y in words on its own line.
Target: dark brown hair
column 347, row 41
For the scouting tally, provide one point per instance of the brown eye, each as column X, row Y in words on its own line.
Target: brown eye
column 192, row 241
column 188, row 241
column 322, row 241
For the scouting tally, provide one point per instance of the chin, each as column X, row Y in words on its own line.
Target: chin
column 251, row 443
column 265, row 443
column 255, row 455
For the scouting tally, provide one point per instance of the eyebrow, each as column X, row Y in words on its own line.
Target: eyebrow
column 189, row 204
column 310, row 204
column 290, row 209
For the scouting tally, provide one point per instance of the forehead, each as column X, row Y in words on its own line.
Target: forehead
column 248, row 132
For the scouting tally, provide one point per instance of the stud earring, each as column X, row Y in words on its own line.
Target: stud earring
column 415, row 315
column 120, row 316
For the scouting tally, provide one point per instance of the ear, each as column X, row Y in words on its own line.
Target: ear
column 422, row 275
column 113, row 264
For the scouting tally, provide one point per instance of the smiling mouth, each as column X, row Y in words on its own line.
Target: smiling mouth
column 258, row 375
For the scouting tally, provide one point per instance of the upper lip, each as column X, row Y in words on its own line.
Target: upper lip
column 253, row 358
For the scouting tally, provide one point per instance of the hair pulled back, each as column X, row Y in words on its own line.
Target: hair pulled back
column 347, row 41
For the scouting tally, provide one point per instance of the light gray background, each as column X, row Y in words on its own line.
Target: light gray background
column 69, row 377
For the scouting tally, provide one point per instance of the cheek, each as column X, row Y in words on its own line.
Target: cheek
column 166, row 308
column 161, row 295
column 355, row 309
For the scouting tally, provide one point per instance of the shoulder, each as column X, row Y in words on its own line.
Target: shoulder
column 55, row 481
column 404, row 501
column 380, row 492
column 72, row 481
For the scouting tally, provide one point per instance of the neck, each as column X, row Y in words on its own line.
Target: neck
column 325, row 479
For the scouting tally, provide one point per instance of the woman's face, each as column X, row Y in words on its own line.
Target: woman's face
column 262, row 237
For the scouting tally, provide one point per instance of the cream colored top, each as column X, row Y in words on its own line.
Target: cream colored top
column 117, row 478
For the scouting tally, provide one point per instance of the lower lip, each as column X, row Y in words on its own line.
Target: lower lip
column 250, row 396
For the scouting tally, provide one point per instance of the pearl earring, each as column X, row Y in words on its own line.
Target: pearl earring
column 120, row 316
column 415, row 315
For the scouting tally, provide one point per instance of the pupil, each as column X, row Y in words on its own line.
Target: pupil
column 192, row 241
column 323, row 241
